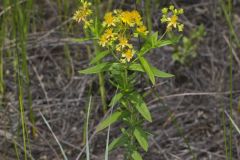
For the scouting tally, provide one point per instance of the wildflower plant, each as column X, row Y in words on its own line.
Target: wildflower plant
column 117, row 36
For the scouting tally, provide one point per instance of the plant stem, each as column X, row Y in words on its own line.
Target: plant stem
column 148, row 14
column 102, row 91
column 96, row 50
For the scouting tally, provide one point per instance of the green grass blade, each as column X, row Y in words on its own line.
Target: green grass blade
column 232, row 121
column 55, row 137
column 109, row 127
column 87, row 123
column 224, row 133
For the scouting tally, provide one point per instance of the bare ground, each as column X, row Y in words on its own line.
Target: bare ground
column 197, row 96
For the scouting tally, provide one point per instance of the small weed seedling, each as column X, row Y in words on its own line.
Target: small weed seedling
column 116, row 36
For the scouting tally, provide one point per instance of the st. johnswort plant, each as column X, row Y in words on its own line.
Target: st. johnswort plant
column 117, row 36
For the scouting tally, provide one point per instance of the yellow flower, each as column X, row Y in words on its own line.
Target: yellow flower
column 79, row 16
column 126, row 18
column 109, row 34
column 109, row 20
column 131, row 18
column 123, row 42
column 107, row 38
column 103, row 40
column 128, row 55
column 142, row 30
column 172, row 22
column 136, row 17
column 83, row 12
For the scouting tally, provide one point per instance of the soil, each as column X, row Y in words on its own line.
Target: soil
column 187, row 110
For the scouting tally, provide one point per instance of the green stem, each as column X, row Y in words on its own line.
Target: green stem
column 109, row 6
column 102, row 91
column 1, row 62
column 148, row 14
column 133, row 117
column 96, row 50
column 228, row 14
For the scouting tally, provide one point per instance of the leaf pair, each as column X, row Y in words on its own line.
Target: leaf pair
column 107, row 66
column 140, row 105
column 149, row 69
column 139, row 134
column 153, row 42
column 102, row 67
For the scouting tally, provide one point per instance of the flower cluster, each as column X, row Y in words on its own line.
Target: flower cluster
column 120, row 26
column 116, row 35
column 170, row 16
column 83, row 13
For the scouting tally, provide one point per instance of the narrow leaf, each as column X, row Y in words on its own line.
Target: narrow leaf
column 161, row 74
column 154, row 39
column 109, row 120
column 54, row 136
column 136, row 156
column 99, row 56
column 154, row 43
column 156, row 72
column 143, row 110
column 147, row 69
column 141, row 106
column 97, row 69
column 141, row 137
column 115, row 99
column 162, row 43
column 232, row 121
column 117, row 142
column 146, row 47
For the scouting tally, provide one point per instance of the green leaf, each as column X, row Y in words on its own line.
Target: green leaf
column 156, row 72
column 115, row 99
column 154, row 39
column 149, row 44
column 96, row 26
column 140, row 105
column 162, row 43
column 161, row 74
column 147, row 68
column 117, row 142
column 99, row 56
column 80, row 40
column 136, row 156
column 143, row 110
column 141, row 137
column 97, row 69
column 108, row 121
column 145, row 48
column 153, row 42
